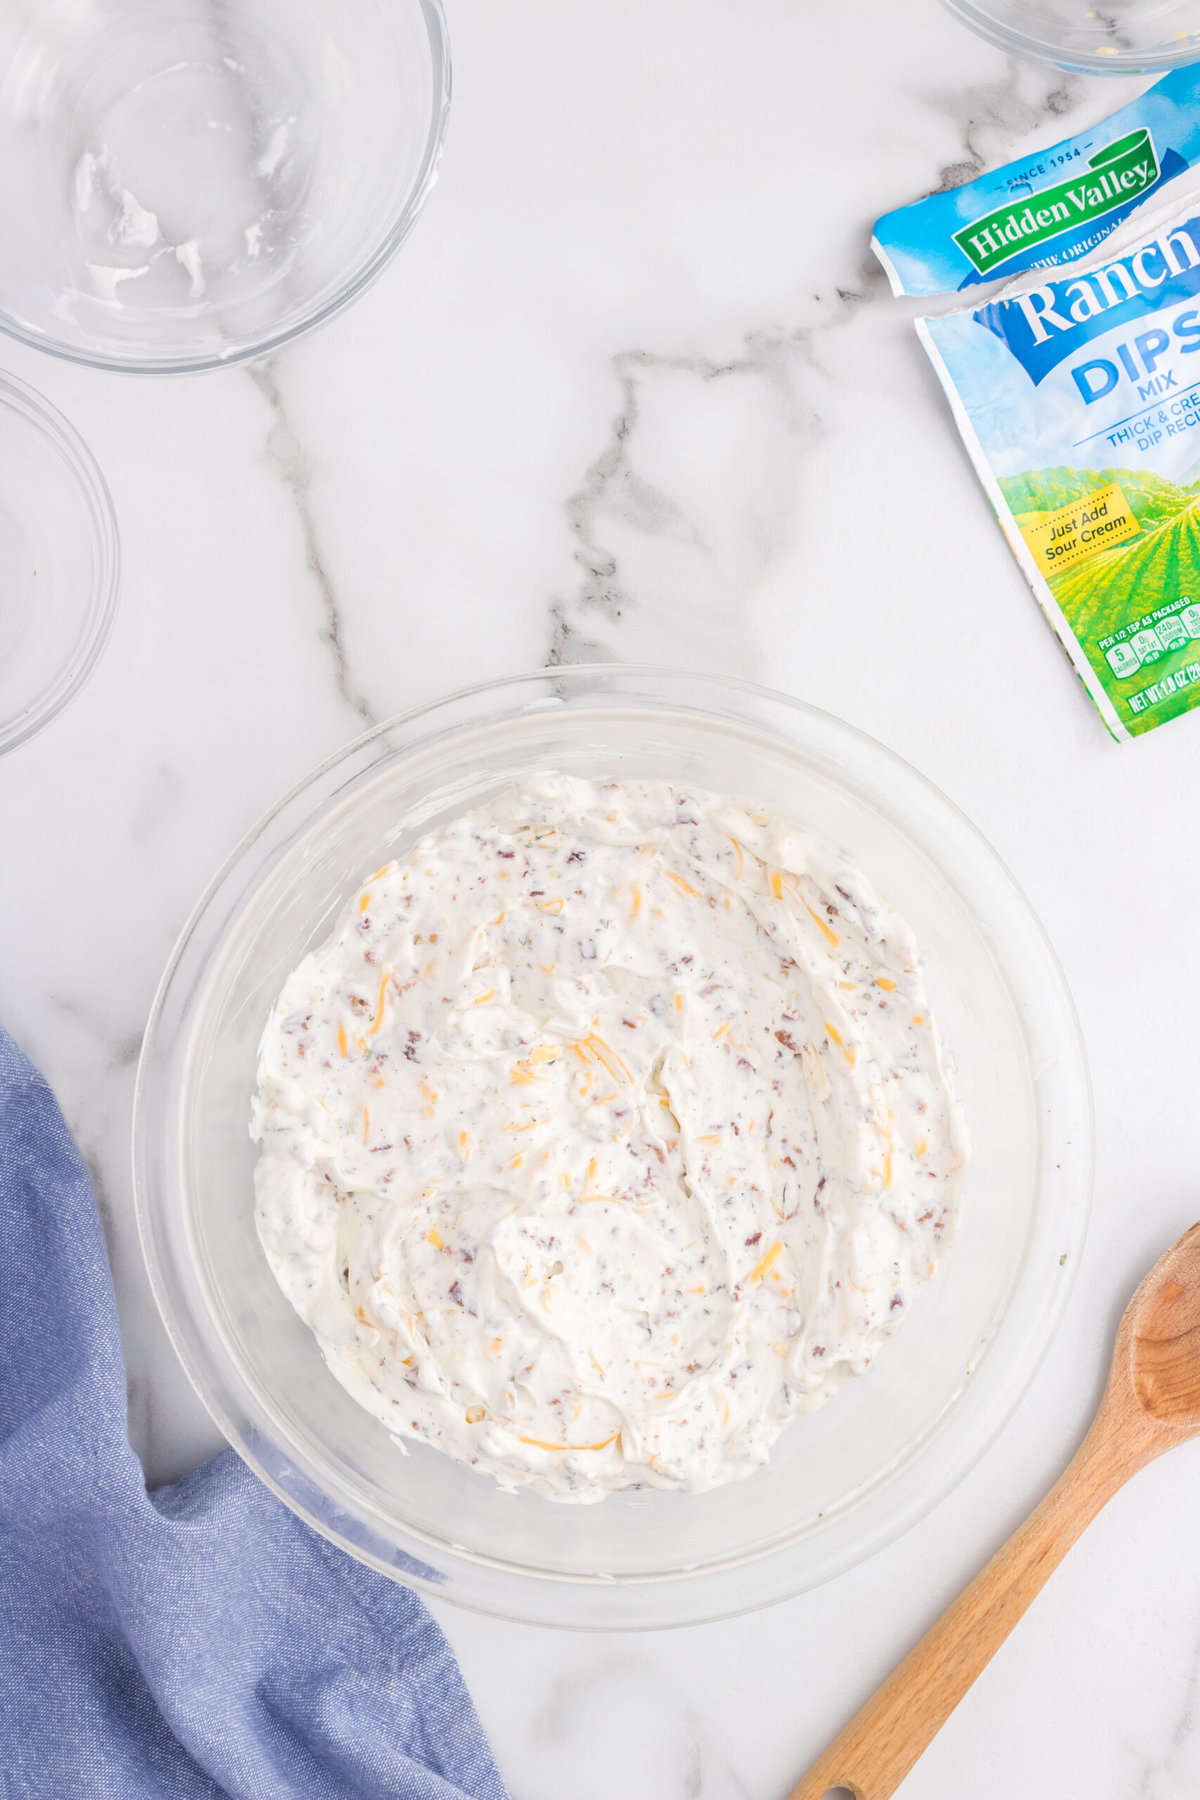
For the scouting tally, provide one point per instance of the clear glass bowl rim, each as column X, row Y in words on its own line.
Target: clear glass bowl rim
column 980, row 19
column 357, row 283
column 222, row 1387
column 102, row 523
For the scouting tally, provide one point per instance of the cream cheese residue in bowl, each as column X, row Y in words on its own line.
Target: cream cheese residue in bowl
column 608, row 1132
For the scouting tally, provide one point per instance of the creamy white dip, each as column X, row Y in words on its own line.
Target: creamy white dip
column 607, row 1133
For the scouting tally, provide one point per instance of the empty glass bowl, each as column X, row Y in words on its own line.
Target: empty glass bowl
column 58, row 562
column 841, row 1481
column 191, row 182
column 1120, row 37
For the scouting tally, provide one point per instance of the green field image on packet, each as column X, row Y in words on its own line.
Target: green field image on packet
column 1077, row 392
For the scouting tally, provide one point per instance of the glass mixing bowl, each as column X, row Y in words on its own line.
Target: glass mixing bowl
column 191, row 182
column 1123, row 37
column 842, row 1481
column 59, row 562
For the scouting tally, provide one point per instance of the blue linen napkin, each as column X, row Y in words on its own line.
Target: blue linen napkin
column 198, row 1640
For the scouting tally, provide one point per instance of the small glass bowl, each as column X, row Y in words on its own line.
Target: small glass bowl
column 1121, row 37
column 59, row 562
column 841, row 1481
column 188, row 183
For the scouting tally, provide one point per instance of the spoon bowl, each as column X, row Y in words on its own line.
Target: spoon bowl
column 1161, row 1329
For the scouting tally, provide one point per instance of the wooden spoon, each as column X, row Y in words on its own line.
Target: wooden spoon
column 1151, row 1403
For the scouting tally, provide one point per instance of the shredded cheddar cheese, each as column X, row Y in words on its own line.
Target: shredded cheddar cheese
column 737, row 1156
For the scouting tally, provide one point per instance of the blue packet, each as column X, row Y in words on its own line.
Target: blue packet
column 1050, row 207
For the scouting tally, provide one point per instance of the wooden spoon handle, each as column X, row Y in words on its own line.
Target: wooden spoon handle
column 881, row 1743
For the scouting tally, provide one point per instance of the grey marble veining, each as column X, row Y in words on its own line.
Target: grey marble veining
column 635, row 388
column 288, row 458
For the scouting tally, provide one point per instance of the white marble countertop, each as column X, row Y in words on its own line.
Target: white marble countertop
column 635, row 389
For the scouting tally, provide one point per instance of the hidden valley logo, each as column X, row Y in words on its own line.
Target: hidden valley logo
column 1116, row 176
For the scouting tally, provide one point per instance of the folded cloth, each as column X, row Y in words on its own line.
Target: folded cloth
column 197, row 1640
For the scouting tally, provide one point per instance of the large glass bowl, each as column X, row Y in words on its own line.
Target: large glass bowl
column 842, row 1481
column 191, row 182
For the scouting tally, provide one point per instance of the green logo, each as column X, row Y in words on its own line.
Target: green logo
column 1122, row 172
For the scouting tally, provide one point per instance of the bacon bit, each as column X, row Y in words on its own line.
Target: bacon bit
column 679, row 881
column 834, row 1033
column 833, row 939
column 433, row 1236
column 482, row 999
column 464, row 1145
column 740, row 856
column 377, row 1021
column 475, row 1415
column 366, row 1122
column 720, row 1031
column 541, row 1444
column 885, row 982
column 552, row 906
column 760, row 1268
column 364, row 900
column 777, row 884
column 343, row 1046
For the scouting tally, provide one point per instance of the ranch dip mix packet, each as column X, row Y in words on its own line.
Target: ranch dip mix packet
column 1076, row 388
